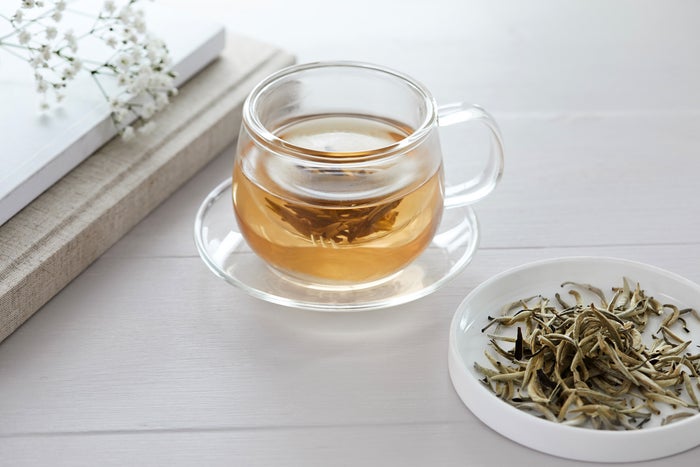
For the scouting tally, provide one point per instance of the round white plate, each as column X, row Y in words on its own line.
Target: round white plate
column 226, row 253
column 467, row 344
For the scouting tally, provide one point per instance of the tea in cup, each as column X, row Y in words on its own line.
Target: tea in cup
column 338, row 178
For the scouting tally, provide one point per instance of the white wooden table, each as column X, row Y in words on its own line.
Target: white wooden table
column 147, row 358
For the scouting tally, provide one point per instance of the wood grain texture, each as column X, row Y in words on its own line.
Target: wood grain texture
column 148, row 359
column 421, row 444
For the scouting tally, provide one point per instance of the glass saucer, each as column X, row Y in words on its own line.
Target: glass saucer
column 226, row 253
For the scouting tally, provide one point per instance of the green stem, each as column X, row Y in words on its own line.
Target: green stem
column 93, row 30
column 12, row 52
column 93, row 74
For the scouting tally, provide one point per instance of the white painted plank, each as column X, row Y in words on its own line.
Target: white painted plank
column 514, row 56
column 142, row 343
column 458, row 444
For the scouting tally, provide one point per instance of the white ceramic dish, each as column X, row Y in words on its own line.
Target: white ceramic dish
column 467, row 344
column 226, row 253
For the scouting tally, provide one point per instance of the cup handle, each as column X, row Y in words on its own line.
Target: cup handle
column 472, row 190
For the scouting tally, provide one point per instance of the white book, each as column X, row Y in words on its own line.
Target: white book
column 38, row 148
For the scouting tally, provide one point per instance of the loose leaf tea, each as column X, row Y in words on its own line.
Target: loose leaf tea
column 337, row 225
column 587, row 364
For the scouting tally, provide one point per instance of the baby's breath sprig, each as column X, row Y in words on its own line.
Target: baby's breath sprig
column 133, row 73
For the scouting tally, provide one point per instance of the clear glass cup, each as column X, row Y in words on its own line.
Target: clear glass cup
column 338, row 179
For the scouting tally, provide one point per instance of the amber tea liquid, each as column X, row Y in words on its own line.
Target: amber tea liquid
column 357, row 237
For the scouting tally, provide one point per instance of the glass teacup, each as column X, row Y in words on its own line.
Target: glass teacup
column 338, row 178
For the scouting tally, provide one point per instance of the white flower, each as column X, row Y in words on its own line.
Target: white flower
column 115, row 104
column 109, row 6
column 140, row 25
column 70, row 39
column 156, row 51
column 111, row 42
column 18, row 17
column 169, row 80
column 136, row 55
column 152, row 54
column 120, row 114
column 125, row 14
column 37, row 61
column 154, row 43
column 44, row 105
column 28, row 3
column 24, row 37
column 123, row 80
column 147, row 110
column 124, row 61
column 60, row 5
column 137, row 85
column 45, row 52
column 76, row 65
column 161, row 100
column 147, row 127
column 155, row 81
column 41, row 85
column 51, row 33
column 68, row 73
column 128, row 133
column 57, row 16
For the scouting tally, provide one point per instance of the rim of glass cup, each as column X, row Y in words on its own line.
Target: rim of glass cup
column 262, row 135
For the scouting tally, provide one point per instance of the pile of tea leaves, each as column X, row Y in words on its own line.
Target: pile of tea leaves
column 592, row 364
column 337, row 225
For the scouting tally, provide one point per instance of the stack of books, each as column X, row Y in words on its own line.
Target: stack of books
column 69, row 189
